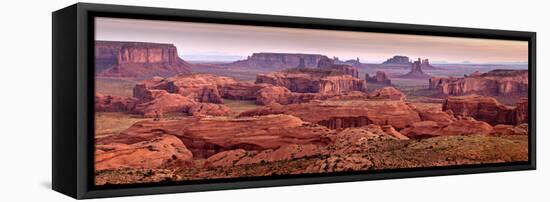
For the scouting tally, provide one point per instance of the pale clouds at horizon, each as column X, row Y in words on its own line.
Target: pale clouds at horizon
column 239, row 40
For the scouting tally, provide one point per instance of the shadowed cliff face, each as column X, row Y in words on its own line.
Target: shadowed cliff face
column 487, row 109
column 137, row 59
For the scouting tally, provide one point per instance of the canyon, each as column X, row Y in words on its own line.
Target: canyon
column 301, row 114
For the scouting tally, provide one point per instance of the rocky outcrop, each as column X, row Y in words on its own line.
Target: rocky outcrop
column 176, row 103
column 146, row 90
column 370, row 153
column 481, row 108
column 427, row 129
column 502, row 130
column 495, row 82
column 209, row 94
column 397, row 60
column 111, row 103
column 137, row 59
column 226, row 158
column 379, row 78
column 208, row 136
column 283, row 153
column 208, row 109
column 154, row 153
column 522, row 111
column 346, row 69
column 241, row 90
column 313, row 81
column 425, row 64
column 416, row 71
column 275, row 94
column 326, row 63
column 353, row 62
column 197, row 87
column 442, row 118
column 168, row 103
column 389, row 93
column 336, row 114
column 278, row 61
column 342, row 141
column 281, row 95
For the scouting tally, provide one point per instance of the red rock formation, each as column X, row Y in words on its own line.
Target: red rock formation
column 145, row 91
column 202, row 109
column 281, row 95
column 327, row 63
column 242, row 157
column 427, row 129
column 342, row 140
column 176, row 103
column 273, row 94
column 278, row 61
column 313, row 81
column 495, row 82
column 154, row 153
column 500, row 130
column 481, row 108
column 225, row 158
column 111, row 103
column 360, row 136
column 379, row 78
column 197, row 87
column 168, row 103
column 208, row 136
column 346, row 114
column 522, row 111
column 442, row 118
column 285, row 152
column 137, row 59
column 389, row 130
column 416, row 71
column 346, row 69
column 209, row 94
column 241, row 90
column 389, row 93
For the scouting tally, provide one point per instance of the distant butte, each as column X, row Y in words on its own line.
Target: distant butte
column 279, row 61
column 397, row 60
column 137, row 59
column 416, row 70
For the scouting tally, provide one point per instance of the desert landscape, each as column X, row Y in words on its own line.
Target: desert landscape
column 162, row 118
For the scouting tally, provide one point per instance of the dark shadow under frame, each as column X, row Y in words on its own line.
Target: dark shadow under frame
column 73, row 94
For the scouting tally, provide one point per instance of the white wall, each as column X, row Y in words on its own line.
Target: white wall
column 25, row 125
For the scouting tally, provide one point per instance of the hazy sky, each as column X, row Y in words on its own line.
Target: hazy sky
column 205, row 41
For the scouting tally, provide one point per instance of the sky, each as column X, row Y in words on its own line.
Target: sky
column 208, row 41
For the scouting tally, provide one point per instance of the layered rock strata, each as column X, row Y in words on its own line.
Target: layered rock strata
column 137, row 59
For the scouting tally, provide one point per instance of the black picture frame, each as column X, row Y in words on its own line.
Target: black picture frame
column 73, row 94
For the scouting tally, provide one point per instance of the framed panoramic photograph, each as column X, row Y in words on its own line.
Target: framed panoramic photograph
column 153, row 100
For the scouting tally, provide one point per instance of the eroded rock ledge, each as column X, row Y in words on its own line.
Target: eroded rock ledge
column 495, row 82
